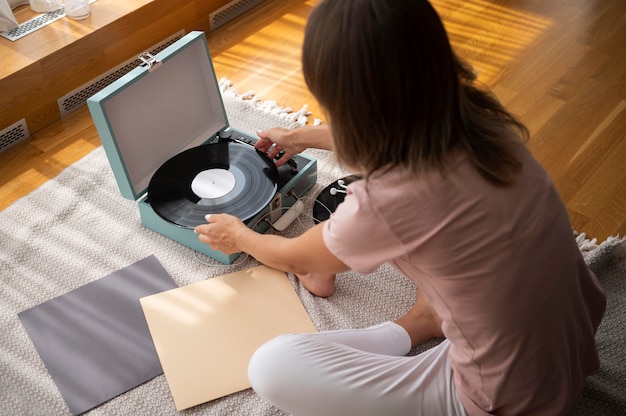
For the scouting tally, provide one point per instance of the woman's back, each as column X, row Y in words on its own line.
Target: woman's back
column 500, row 266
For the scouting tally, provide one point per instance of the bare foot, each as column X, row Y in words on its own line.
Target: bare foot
column 421, row 321
column 322, row 285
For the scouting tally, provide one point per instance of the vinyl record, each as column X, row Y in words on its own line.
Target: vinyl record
column 329, row 199
column 229, row 178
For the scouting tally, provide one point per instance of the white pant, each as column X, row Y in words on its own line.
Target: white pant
column 354, row 372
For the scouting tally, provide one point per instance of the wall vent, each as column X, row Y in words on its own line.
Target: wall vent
column 13, row 134
column 230, row 11
column 78, row 97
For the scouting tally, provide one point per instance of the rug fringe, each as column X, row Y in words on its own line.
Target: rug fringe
column 296, row 118
column 585, row 244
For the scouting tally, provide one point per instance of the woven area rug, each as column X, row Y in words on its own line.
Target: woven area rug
column 77, row 228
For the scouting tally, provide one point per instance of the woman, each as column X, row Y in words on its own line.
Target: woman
column 452, row 199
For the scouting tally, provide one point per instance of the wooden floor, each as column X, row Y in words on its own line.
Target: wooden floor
column 559, row 65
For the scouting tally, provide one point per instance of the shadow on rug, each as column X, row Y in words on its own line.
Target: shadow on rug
column 605, row 390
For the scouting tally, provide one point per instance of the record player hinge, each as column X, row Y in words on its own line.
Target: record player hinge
column 149, row 61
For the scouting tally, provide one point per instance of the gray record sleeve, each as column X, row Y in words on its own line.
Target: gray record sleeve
column 94, row 340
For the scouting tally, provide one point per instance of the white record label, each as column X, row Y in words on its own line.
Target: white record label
column 213, row 183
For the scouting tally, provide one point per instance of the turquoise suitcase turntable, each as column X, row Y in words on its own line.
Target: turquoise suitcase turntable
column 166, row 135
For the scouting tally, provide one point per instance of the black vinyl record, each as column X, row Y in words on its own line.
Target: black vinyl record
column 329, row 199
column 230, row 178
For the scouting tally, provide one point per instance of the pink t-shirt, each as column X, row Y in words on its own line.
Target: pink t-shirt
column 500, row 266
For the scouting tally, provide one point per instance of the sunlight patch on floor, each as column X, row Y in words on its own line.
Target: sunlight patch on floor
column 489, row 36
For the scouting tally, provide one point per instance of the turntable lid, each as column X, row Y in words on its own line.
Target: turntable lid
column 153, row 113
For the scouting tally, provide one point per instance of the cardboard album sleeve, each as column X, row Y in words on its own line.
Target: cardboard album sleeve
column 205, row 333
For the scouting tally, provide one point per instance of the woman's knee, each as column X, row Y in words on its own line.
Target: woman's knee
column 273, row 366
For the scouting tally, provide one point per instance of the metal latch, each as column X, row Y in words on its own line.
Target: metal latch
column 149, row 61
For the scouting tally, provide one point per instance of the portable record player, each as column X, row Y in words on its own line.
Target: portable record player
column 166, row 135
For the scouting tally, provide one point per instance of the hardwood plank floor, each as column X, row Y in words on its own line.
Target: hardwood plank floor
column 559, row 65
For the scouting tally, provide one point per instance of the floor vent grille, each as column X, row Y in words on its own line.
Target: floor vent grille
column 230, row 11
column 78, row 97
column 13, row 134
column 34, row 24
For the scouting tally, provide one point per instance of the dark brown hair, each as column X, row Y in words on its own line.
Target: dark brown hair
column 397, row 95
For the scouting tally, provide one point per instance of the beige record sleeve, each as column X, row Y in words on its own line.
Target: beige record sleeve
column 205, row 333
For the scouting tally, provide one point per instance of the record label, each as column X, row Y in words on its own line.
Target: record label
column 230, row 178
column 213, row 183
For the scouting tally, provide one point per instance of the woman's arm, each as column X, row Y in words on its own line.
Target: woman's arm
column 293, row 141
column 304, row 254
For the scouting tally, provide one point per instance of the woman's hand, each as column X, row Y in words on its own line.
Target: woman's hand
column 294, row 141
column 305, row 255
column 221, row 232
column 276, row 140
